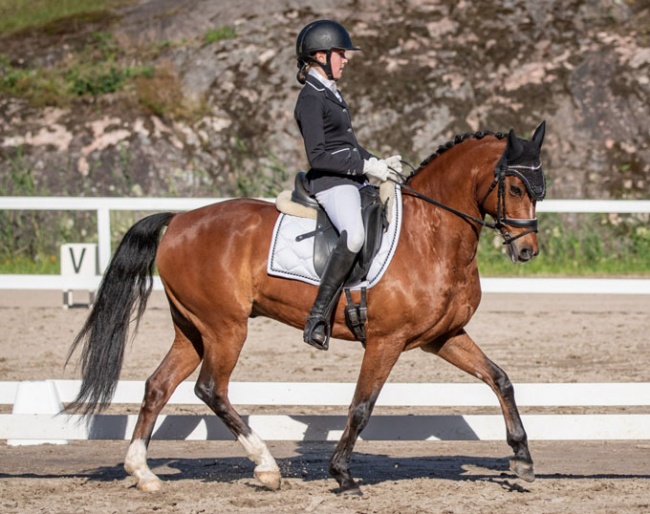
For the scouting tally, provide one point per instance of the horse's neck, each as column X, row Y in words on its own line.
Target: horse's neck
column 455, row 178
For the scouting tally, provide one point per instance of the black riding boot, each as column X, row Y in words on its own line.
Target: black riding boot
column 338, row 267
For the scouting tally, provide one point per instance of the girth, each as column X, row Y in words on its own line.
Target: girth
column 375, row 221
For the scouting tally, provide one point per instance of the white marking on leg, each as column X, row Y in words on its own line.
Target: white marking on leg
column 258, row 452
column 135, row 463
column 266, row 469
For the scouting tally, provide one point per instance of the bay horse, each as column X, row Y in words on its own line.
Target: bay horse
column 212, row 262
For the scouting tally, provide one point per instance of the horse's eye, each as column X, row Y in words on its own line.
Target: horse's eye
column 516, row 191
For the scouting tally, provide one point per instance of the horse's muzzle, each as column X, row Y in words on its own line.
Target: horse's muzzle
column 522, row 250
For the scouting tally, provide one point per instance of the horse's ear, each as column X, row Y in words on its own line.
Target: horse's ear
column 538, row 136
column 514, row 147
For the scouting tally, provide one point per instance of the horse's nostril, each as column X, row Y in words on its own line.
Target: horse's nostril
column 526, row 254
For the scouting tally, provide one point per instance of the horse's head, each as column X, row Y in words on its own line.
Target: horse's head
column 518, row 185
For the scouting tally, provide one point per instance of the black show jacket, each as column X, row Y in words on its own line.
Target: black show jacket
column 334, row 155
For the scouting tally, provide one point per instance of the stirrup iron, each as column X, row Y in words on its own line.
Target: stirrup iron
column 313, row 323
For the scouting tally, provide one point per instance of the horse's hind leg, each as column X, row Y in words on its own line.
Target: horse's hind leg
column 181, row 360
column 221, row 355
column 463, row 353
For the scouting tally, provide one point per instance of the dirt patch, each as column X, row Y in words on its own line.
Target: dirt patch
column 543, row 338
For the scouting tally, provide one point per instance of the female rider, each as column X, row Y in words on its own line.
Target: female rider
column 339, row 166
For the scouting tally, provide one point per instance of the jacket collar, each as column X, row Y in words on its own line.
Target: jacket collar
column 320, row 86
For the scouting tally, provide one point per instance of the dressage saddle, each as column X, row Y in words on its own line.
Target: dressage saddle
column 375, row 221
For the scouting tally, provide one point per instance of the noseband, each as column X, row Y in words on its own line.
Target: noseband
column 501, row 220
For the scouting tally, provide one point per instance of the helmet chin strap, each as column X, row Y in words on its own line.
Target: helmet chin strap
column 327, row 65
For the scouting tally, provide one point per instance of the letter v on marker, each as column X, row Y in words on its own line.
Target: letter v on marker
column 77, row 267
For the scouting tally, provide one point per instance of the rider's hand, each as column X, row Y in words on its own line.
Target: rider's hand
column 394, row 163
column 377, row 168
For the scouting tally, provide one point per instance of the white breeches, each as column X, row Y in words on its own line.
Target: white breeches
column 343, row 206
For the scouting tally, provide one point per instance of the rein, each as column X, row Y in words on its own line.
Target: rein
column 501, row 221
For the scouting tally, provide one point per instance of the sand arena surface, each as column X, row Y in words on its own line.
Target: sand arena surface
column 541, row 338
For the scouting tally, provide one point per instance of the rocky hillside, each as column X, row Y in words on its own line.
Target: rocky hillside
column 199, row 95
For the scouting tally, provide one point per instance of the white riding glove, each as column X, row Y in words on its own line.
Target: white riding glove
column 377, row 168
column 394, row 163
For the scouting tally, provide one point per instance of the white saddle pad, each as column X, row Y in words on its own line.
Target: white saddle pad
column 293, row 259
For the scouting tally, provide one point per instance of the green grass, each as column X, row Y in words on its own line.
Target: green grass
column 96, row 70
column 21, row 265
column 577, row 246
column 98, row 66
column 219, row 34
column 20, row 15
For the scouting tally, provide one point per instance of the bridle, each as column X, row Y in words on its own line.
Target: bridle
column 501, row 171
column 501, row 221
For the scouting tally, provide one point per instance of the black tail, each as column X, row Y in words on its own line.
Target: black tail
column 128, row 279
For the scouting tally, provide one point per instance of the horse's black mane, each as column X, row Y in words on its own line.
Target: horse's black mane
column 457, row 139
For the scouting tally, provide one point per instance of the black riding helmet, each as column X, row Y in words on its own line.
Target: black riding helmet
column 321, row 36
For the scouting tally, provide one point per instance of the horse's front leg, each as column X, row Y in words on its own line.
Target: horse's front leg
column 375, row 368
column 462, row 352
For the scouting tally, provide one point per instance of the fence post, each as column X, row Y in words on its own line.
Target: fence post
column 104, row 237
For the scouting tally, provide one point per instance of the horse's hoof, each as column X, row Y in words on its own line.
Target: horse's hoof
column 352, row 491
column 270, row 479
column 150, row 485
column 348, row 487
column 523, row 470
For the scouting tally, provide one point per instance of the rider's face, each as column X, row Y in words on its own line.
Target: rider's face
column 338, row 60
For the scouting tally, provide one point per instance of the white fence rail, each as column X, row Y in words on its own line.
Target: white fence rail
column 103, row 206
column 35, row 404
column 602, row 286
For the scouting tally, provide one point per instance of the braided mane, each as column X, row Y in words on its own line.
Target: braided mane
column 458, row 139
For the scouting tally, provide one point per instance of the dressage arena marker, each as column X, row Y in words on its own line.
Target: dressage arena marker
column 34, row 419
column 78, row 260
